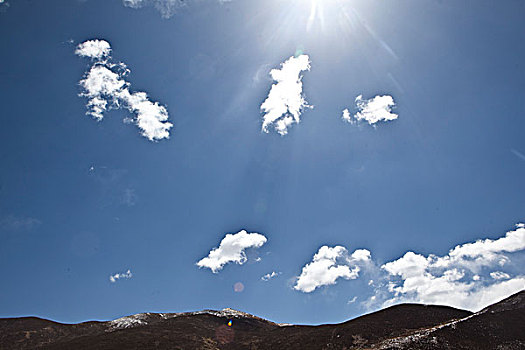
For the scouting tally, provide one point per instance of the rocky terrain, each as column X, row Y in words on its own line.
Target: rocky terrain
column 407, row 326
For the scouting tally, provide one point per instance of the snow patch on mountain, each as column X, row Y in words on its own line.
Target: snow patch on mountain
column 128, row 322
column 146, row 318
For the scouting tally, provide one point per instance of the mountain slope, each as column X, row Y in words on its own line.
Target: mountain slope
column 406, row 326
column 499, row 326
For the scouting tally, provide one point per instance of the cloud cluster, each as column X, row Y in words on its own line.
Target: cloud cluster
column 232, row 249
column 372, row 111
column 328, row 265
column 105, row 87
column 470, row 276
column 285, row 101
column 117, row 276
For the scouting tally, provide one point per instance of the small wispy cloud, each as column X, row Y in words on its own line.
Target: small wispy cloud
column 328, row 265
column 232, row 249
column 167, row 8
column 126, row 275
column 285, row 101
column 499, row 275
column 372, row 111
column 518, row 154
column 105, row 87
column 19, row 223
column 129, row 197
column 269, row 276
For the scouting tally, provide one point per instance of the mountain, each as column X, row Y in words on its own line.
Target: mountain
column 406, row 326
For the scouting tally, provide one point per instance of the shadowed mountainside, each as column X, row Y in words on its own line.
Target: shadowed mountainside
column 405, row 326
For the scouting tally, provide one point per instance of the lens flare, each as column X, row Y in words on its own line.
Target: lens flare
column 238, row 287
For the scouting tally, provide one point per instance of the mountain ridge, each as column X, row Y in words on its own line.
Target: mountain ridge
column 403, row 326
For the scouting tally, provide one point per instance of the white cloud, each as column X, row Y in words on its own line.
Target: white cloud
column 456, row 278
column 232, row 249
column 117, row 276
column 361, row 255
column 285, row 101
column 373, row 110
column 105, row 87
column 329, row 264
column 269, row 276
column 151, row 117
column 96, row 49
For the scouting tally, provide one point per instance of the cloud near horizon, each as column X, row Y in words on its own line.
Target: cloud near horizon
column 471, row 276
column 285, row 101
column 105, row 87
column 372, row 111
column 232, row 249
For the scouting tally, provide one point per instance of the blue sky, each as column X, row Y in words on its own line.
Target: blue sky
column 82, row 200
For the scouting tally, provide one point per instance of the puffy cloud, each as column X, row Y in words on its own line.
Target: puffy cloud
column 117, row 276
column 373, row 110
column 102, row 86
column 96, row 49
column 347, row 117
column 328, row 265
column 269, row 276
column 457, row 279
column 285, row 101
column 232, row 249
column 105, row 87
column 361, row 255
column 151, row 117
